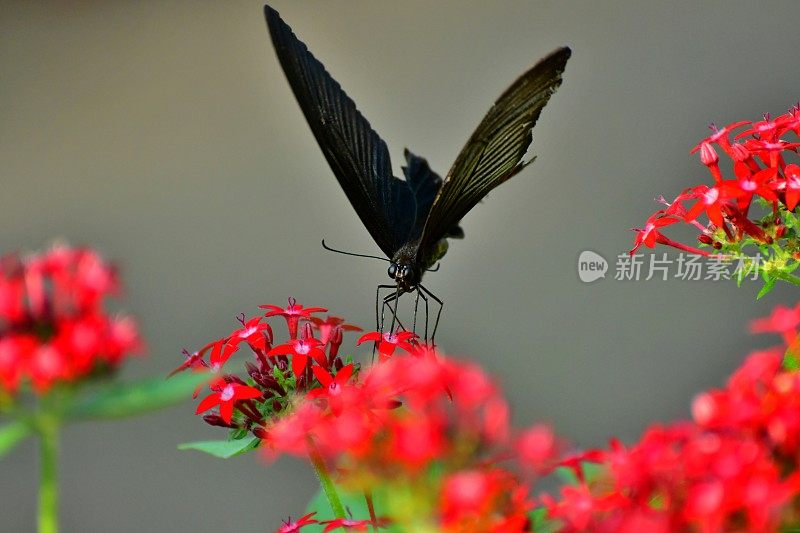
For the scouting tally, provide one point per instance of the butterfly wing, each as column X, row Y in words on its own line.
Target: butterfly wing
column 355, row 152
column 495, row 150
column 424, row 184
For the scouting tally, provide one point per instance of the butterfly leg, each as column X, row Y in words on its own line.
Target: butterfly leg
column 394, row 312
column 416, row 308
column 438, row 314
column 378, row 310
column 420, row 294
column 387, row 303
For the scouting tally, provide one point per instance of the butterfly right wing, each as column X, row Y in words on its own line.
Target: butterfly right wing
column 495, row 150
column 355, row 152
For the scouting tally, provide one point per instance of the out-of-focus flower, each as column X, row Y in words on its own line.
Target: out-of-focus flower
column 735, row 467
column 783, row 321
column 389, row 342
column 348, row 524
column 53, row 326
column 408, row 417
column 293, row 526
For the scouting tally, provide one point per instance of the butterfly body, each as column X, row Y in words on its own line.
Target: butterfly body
column 411, row 219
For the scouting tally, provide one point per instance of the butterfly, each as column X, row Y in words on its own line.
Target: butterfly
column 411, row 219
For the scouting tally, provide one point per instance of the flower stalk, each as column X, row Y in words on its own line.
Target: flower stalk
column 325, row 481
column 48, row 429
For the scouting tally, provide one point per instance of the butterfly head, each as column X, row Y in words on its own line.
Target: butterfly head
column 405, row 275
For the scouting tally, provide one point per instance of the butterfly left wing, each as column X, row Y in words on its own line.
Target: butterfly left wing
column 355, row 152
column 495, row 150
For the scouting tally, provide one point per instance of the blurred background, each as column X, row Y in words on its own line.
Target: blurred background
column 165, row 134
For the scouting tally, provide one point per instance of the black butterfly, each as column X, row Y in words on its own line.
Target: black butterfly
column 411, row 219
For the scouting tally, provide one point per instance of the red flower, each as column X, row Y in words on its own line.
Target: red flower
column 710, row 201
column 47, row 365
column 791, row 186
column 389, row 342
column 484, row 499
column 537, row 449
column 720, row 136
column 783, row 320
column 345, row 523
column 221, row 351
column 331, row 386
column 749, row 184
column 253, row 332
column 53, row 327
column 293, row 527
column 770, row 152
column 764, row 129
column 651, row 235
column 329, row 324
column 301, row 350
column 15, row 352
column 292, row 313
column 226, row 396
column 194, row 360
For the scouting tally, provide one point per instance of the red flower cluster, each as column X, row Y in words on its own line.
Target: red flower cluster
column 276, row 373
column 735, row 467
column 425, row 426
column 757, row 160
column 431, row 436
column 53, row 327
column 414, row 424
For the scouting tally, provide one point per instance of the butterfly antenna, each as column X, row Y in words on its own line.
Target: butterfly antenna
column 351, row 253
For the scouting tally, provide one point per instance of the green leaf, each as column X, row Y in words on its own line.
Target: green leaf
column 589, row 470
column 540, row 523
column 119, row 400
column 768, row 286
column 12, row 435
column 791, row 357
column 224, row 449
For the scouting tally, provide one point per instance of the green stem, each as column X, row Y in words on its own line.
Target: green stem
column 325, row 481
column 48, row 483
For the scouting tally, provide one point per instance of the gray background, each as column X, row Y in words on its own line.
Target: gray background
column 165, row 134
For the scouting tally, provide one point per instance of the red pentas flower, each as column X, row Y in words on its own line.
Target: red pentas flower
column 651, row 233
column 783, row 320
column 484, row 500
column 736, row 466
column 293, row 313
column 275, row 375
column 226, row 396
column 291, row 526
column 254, row 332
column 388, row 342
column 348, row 524
column 329, row 325
column 302, row 351
column 53, row 326
column 752, row 209
column 681, row 477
